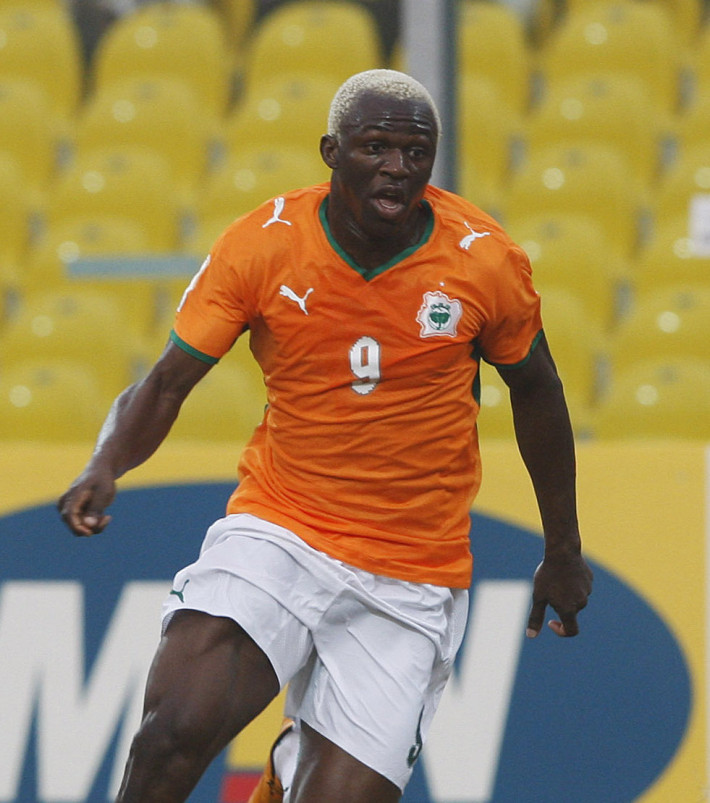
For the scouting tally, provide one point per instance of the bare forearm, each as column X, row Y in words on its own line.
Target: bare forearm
column 544, row 433
column 137, row 423
column 546, row 443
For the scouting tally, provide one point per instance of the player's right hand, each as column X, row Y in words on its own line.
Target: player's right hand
column 82, row 506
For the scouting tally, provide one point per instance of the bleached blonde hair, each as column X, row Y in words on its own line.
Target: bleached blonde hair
column 387, row 83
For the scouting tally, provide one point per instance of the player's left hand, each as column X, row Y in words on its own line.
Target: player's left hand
column 564, row 582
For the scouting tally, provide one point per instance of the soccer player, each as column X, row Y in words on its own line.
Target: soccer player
column 342, row 565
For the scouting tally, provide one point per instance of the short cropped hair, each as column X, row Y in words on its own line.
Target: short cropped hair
column 387, row 83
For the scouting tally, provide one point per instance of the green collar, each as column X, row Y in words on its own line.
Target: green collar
column 370, row 274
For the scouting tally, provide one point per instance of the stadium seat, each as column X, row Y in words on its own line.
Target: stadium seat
column 38, row 43
column 685, row 15
column 484, row 193
column 158, row 113
column 544, row 16
column 16, row 207
column 82, row 326
column 49, row 266
column 292, row 109
column 333, row 39
column 239, row 16
column 253, row 176
column 127, row 182
column 671, row 321
column 488, row 130
column 10, row 291
column 700, row 62
column 577, row 344
column 227, row 404
column 495, row 417
column 589, row 180
column 29, row 132
column 690, row 127
column 205, row 232
column 50, row 400
column 657, row 399
column 571, row 252
column 50, row 259
column 670, row 258
column 185, row 42
column 622, row 37
column 491, row 44
column 607, row 109
column 687, row 176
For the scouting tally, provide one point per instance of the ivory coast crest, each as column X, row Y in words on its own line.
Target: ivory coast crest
column 439, row 315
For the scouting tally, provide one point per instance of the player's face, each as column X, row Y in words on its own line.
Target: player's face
column 382, row 163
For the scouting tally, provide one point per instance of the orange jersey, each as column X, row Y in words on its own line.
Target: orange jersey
column 368, row 449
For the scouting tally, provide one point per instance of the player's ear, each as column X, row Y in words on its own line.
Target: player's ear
column 329, row 150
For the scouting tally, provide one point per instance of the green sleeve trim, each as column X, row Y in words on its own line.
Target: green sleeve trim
column 192, row 351
column 525, row 359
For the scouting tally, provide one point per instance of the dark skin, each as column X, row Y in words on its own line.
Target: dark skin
column 209, row 679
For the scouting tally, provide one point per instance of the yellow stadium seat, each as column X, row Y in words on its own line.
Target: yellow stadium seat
column 227, row 404
column 544, row 16
column 491, row 44
column 334, row 39
column 485, row 193
column 488, row 129
column 255, row 175
column 700, row 62
column 670, row 321
column 158, row 113
column 495, row 418
column 291, row 109
column 183, row 41
column 50, row 265
column 10, row 291
column 656, row 399
column 53, row 4
column 685, row 16
column 571, row 252
column 205, row 231
column 621, row 37
column 577, row 344
column 687, row 19
column 239, row 16
column 588, row 180
column 609, row 109
column 670, row 258
column 690, row 127
column 82, row 326
column 687, row 176
column 38, row 43
column 50, row 400
column 15, row 211
column 49, row 260
column 28, row 133
column 127, row 182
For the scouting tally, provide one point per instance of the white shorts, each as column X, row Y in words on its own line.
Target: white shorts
column 366, row 657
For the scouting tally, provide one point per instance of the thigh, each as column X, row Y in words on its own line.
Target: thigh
column 378, row 675
column 327, row 772
column 208, row 680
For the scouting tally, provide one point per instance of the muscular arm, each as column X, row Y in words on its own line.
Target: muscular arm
column 544, row 435
column 137, row 423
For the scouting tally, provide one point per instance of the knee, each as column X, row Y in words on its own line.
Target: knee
column 171, row 732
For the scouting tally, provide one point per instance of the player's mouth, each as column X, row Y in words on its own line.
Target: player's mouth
column 390, row 203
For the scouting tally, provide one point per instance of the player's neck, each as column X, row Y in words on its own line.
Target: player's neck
column 371, row 249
